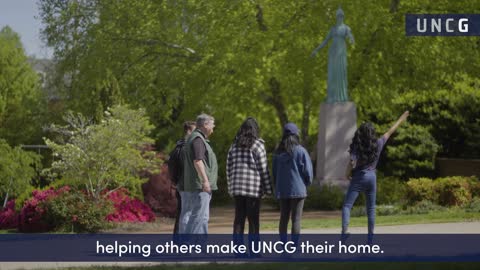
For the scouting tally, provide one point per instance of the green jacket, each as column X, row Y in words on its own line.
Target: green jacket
column 192, row 181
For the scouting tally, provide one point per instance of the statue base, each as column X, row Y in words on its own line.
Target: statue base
column 338, row 123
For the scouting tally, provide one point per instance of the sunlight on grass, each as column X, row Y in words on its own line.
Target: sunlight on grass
column 451, row 215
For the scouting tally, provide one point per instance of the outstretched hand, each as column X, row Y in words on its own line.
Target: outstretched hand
column 404, row 116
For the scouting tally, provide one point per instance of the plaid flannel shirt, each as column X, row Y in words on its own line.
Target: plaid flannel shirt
column 247, row 171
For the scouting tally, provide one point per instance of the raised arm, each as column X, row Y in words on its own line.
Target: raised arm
column 321, row 45
column 402, row 118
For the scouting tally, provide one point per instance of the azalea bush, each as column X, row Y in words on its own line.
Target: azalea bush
column 32, row 214
column 68, row 210
column 128, row 209
column 8, row 216
column 76, row 211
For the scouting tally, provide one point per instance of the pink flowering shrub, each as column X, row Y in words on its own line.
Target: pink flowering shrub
column 68, row 210
column 33, row 211
column 128, row 209
column 8, row 216
column 77, row 212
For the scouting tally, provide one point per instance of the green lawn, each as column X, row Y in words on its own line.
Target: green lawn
column 451, row 215
column 302, row 266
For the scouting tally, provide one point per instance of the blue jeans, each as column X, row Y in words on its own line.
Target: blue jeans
column 195, row 212
column 366, row 182
column 185, row 213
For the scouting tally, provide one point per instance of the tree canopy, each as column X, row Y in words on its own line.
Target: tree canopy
column 21, row 101
column 234, row 59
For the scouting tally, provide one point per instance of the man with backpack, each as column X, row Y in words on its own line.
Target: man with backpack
column 200, row 178
column 175, row 168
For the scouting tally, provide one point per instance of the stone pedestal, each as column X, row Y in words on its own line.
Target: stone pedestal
column 338, row 123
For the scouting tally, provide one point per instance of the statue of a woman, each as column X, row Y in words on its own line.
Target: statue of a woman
column 337, row 60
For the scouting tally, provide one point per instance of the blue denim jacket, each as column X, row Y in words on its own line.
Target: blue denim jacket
column 292, row 174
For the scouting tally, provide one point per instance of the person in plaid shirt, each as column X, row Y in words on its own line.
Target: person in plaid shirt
column 247, row 176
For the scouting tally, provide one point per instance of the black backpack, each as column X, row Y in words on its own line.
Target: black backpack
column 175, row 162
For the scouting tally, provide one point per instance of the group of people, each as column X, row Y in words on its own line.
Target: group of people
column 193, row 167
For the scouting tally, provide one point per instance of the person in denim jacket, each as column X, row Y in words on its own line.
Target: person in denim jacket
column 292, row 172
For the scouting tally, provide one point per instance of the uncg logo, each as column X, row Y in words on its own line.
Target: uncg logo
column 449, row 25
column 442, row 24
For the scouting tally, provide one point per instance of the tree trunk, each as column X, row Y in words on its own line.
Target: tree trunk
column 275, row 100
column 394, row 6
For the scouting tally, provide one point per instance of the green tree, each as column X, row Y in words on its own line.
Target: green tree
column 21, row 102
column 108, row 155
column 451, row 115
column 234, row 59
column 17, row 168
column 411, row 153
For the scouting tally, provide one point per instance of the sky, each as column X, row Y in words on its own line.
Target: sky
column 22, row 17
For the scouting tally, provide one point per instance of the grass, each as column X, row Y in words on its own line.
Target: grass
column 450, row 215
column 299, row 266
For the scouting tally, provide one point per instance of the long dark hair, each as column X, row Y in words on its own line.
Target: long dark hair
column 248, row 133
column 364, row 144
column 288, row 143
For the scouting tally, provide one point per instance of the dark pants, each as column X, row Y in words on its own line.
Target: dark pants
column 295, row 208
column 179, row 210
column 365, row 182
column 247, row 207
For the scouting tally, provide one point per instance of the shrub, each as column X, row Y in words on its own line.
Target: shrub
column 8, row 216
column 127, row 209
column 447, row 191
column 388, row 210
column 474, row 186
column 77, row 212
column 66, row 210
column 159, row 193
column 390, row 190
column 423, row 207
column 110, row 153
column 453, row 191
column 358, row 211
column 473, row 206
column 326, row 197
column 32, row 215
column 421, row 189
column 380, row 210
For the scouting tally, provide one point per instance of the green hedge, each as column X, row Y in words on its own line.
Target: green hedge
column 447, row 191
column 326, row 197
